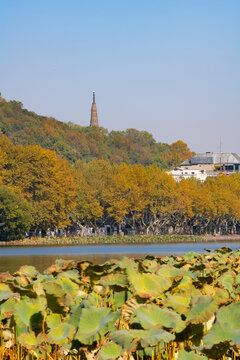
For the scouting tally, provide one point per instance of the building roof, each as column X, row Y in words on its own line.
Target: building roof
column 213, row 158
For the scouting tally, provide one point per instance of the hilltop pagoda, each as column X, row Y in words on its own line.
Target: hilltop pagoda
column 94, row 116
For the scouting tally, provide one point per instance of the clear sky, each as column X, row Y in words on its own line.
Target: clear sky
column 171, row 67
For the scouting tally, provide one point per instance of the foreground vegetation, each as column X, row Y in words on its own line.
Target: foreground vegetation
column 154, row 308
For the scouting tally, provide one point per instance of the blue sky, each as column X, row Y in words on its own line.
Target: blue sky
column 169, row 67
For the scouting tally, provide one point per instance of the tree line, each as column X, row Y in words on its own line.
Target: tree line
column 40, row 191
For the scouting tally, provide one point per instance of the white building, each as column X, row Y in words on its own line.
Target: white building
column 180, row 173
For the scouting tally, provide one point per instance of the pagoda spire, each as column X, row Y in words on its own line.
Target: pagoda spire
column 94, row 116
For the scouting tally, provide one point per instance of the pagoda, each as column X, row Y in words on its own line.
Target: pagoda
column 94, row 116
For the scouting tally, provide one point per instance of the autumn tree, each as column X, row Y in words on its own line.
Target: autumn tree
column 45, row 181
column 88, row 209
column 15, row 214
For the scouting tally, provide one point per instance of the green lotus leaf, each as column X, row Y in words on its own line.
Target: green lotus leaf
column 120, row 298
column 30, row 340
column 28, row 311
column 148, row 284
column 70, row 274
column 52, row 288
column 110, row 351
column 185, row 355
column 94, row 323
column 28, row 270
column 7, row 308
column 191, row 255
column 126, row 263
column 178, row 302
column 68, row 286
column 153, row 337
column 60, row 265
column 126, row 338
column 202, row 309
column 114, row 279
column 151, row 265
column 221, row 296
column 226, row 328
column 170, row 272
column 38, row 287
column 152, row 316
column 5, row 292
column 61, row 334
column 53, row 320
column 185, row 284
column 75, row 316
column 227, row 282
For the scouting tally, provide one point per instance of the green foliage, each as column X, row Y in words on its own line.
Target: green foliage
column 15, row 214
column 88, row 319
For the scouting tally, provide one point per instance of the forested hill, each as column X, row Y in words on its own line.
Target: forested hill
column 75, row 142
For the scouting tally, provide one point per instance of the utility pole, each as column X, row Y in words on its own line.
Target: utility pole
column 220, row 155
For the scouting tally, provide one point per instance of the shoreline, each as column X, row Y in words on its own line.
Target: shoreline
column 119, row 240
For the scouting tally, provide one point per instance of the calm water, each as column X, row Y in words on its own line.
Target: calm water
column 42, row 257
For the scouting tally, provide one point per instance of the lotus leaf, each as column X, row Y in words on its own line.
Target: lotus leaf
column 148, row 284
column 53, row 320
column 191, row 255
column 152, row 337
column 30, row 340
column 75, row 316
column 53, row 288
column 68, row 286
column 28, row 270
column 94, row 323
column 185, row 355
column 70, row 274
column 185, row 284
column 120, row 298
column 170, row 272
column 178, row 302
column 226, row 328
column 227, row 282
column 114, row 279
column 25, row 310
column 129, row 338
column 110, row 351
column 151, row 265
column 202, row 309
column 125, row 338
column 61, row 334
column 151, row 316
column 5, row 292
column 7, row 308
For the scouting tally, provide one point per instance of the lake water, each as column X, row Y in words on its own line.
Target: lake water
column 41, row 257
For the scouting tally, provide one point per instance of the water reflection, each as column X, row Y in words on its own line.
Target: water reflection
column 42, row 262
column 41, row 257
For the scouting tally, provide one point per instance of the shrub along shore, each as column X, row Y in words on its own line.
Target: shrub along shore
column 119, row 240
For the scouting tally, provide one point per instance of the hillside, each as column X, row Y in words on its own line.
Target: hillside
column 75, row 142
